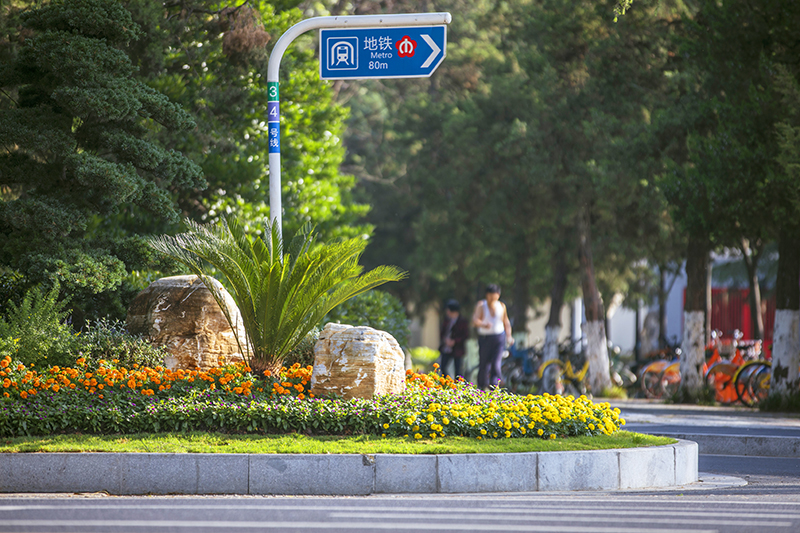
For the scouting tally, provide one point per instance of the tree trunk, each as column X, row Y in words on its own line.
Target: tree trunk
column 597, row 346
column 553, row 328
column 751, row 259
column 693, row 344
column 521, row 295
column 663, row 295
column 786, row 335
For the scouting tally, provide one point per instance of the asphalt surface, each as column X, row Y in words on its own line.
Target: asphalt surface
column 734, row 430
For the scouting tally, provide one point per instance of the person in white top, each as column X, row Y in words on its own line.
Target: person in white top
column 494, row 328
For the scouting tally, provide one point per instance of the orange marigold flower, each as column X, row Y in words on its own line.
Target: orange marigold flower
column 23, row 394
column 56, row 388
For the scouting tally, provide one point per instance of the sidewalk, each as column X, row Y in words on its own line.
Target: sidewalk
column 716, row 430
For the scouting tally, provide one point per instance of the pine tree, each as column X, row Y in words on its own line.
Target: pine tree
column 76, row 131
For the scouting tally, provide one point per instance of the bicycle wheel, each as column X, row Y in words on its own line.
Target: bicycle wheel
column 751, row 382
column 719, row 378
column 550, row 376
column 760, row 382
column 513, row 377
column 650, row 378
column 670, row 380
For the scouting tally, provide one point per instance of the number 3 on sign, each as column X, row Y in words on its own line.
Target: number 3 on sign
column 273, row 91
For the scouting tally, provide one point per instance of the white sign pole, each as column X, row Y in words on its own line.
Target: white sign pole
column 355, row 21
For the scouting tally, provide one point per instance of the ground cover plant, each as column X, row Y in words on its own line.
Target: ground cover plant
column 109, row 399
column 203, row 442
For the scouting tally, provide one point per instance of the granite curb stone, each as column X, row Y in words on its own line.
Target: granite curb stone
column 348, row 474
column 755, row 445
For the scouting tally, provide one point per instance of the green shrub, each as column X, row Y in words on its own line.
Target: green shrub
column 110, row 340
column 782, row 403
column 376, row 309
column 12, row 288
column 303, row 353
column 8, row 346
column 38, row 322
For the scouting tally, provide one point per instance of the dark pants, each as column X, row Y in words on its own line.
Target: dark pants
column 457, row 361
column 490, row 352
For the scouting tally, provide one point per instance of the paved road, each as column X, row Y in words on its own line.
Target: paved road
column 688, row 512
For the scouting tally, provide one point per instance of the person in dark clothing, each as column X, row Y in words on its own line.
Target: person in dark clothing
column 453, row 333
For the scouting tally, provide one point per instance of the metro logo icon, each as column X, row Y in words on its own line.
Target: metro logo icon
column 343, row 53
column 406, row 47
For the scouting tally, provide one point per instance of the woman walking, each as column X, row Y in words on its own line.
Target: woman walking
column 494, row 329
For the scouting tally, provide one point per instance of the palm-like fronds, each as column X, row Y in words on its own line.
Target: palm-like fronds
column 281, row 293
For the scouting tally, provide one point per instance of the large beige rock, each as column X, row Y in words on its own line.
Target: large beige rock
column 181, row 314
column 357, row 362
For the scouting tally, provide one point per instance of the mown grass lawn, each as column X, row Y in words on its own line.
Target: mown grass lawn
column 199, row 442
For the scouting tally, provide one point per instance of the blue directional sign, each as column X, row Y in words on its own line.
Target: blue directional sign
column 388, row 52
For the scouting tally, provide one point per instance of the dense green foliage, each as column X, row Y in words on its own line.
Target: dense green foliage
column 211, row 57
column 76, row 129
column 37, row 330
column 376, row 309
column 282, row 291
column 109, row 340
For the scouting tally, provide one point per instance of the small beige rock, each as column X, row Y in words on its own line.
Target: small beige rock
column 357, row 362
column 180, row 313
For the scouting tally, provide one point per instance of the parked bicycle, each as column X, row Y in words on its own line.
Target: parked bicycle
column 653, row 374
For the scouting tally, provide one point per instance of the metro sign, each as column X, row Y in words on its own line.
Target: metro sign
column 386, row 52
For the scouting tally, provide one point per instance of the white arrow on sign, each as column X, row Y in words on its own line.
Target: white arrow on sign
column 435, row 52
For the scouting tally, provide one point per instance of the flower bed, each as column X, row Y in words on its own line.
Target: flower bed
column 110, row 399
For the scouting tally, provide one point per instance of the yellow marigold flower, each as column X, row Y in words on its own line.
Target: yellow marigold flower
column 552, row 436
column 386, row 426
column 540, row 432
column 483, row 432
column 417, row 436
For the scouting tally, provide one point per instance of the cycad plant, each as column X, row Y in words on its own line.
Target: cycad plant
column 282, row 293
